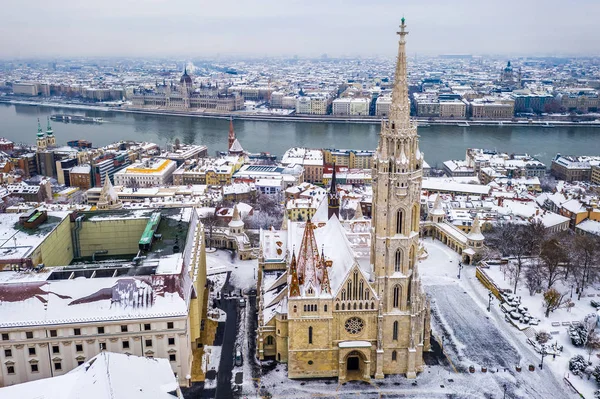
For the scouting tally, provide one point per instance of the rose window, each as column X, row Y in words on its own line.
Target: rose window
column 354, row 325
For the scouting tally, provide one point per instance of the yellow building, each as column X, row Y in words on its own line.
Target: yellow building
column 353, row 159
column 330, row 303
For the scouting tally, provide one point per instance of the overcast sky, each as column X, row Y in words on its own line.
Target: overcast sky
column 197, row 28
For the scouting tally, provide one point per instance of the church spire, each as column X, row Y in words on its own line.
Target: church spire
column 308, row 258
column 294, row 283
column 40, row 132
column 400, row 107
column 333, row 200
column 49, row 131
column 231, row 133
column 325, row 286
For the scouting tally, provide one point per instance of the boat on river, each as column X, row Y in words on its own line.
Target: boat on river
column 76, row 119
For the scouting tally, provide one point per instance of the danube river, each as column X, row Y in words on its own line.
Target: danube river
column 438, row 143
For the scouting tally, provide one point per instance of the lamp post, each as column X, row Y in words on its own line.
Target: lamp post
column 571, row 290
column 459, row 269
column 543, row 355
column 489, row 301
column 504, row 391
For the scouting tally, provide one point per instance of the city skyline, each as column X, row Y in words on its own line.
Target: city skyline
column 269, row 28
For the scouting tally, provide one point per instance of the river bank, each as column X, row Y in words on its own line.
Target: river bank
column 265, row 117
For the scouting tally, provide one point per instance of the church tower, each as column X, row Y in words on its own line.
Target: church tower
column 41, row 142
column 50, row 139
column 333, row 198
column 397, row 175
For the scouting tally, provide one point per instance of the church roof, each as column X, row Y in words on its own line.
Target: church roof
column 236, row 147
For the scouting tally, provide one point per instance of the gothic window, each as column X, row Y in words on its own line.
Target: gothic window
column 415, row 217
column 367, row 294
column 411, row 257
column 337, row 306
column 398, row 260
column 408, row 291
column 394, row 356
column 355, row 285
column 325, row 308
column 360, row 289
column 270, row 340
column 310, row 333
column 295, row 308
column 355, row 306
column 360, row 306
column 343, row 306
column 343, row 295
column 372, row 305
column 396, row 299
column 305, row 308
column 399, row 216
column 395, row 331
column 354, row 325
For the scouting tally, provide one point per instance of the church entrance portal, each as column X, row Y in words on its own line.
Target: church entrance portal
column 353, row 363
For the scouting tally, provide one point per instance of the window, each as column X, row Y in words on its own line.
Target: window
column 396, row 299
column 172, row 357
column 149, row 343
column 5, row 337
column 394, row 356
column 395, row 331
column 77, row 331
column 147, row 327
column 100, row 330
column 310, row 335
column 31, row 351
column 10, row 369
column 398, row 260
column 102, row 346
column 29, row 334
column 170, row 325
column 399, row 216
column 125, row 344
column 57, row 366
column 53, row 333
column 325, row 308
column 354, row 325
column 55, row 349
column 337, row 306
column 80, row 362
column 411, row 258
column 171, row 341
column 34, row 368
column 7, row 352
column 78, row 348
column 124, row 328
column 270, row 340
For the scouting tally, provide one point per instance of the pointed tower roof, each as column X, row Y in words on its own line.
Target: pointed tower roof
column 236, row 220
column 40, row 133
column 324, row 274
column 400, row 107
column 475, row 233
column 236, row 147
column 358, row 214
column 308, row 257
column 438, row 209
column 294, row 282
column 109, row 199
column 333, row 187
column 49, row 131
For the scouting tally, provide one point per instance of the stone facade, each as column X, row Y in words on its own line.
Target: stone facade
column 344, row 299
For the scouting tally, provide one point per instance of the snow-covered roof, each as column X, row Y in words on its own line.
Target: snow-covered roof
column 107, row 375
column 590, row 226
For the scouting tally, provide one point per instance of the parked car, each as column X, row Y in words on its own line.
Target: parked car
column 242, row 303
column 515, row 315
column 238, row 360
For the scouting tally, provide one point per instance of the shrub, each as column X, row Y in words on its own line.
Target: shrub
column 577, row 365
column 542, row 337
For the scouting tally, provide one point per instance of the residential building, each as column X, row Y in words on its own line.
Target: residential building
column 147, row 173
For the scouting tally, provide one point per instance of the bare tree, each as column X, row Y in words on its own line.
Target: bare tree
column 585, row 251
column 553, row 256
column 210, row 221
column 592, row 344
column 553, row 300
column 534, row 276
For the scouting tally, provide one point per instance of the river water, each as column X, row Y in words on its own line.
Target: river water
column 18, row 123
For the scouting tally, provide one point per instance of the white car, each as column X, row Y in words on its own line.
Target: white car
column 242, row 303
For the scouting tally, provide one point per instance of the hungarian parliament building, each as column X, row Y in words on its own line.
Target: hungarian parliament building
column 184, row 96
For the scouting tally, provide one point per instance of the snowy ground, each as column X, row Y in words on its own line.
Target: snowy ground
column 210, row 361
column 243, row 272
column 555, row 324
column 474, row 337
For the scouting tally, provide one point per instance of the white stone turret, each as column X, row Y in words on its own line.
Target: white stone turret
column 236, row 225
column 109, row 199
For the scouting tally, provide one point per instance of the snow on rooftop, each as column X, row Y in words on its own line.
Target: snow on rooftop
column 107, row 375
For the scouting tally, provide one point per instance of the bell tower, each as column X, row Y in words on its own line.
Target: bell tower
column 50, row 138
column 397, row 178
column 40, row 141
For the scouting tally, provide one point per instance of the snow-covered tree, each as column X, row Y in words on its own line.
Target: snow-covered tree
column 592, row 344
column 577, row 365
column 553, row 255
column 534, row 276
column 542, row 337
column 578, row 335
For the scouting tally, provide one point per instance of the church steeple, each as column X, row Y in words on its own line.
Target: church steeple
column 41, row 141
column 333, row 199
column 294, row 283
column 400, row 107
column 50, row 139
column 231, row 133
